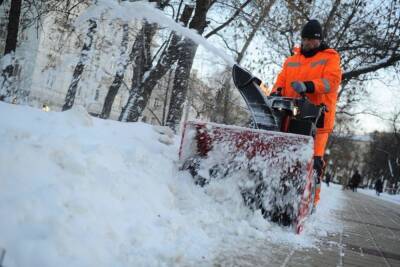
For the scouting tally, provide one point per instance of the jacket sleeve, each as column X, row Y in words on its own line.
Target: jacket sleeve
column 280, row 80
column 331, row 77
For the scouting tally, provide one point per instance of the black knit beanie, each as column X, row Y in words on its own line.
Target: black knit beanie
column 312, row 30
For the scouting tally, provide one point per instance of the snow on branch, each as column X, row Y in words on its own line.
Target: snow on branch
column 386, row 62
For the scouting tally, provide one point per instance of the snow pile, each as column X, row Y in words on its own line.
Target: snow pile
column 80, row 191
column 384, row 196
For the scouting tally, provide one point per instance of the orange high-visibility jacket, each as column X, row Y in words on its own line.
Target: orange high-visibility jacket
column 323, row 69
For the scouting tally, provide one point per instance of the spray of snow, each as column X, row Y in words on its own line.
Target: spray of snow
column 6, row 60
column 127, row 11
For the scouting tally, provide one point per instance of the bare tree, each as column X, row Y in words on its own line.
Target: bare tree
column 140, row 56
column 11, row 45
column 119, row 75
column 184, row 65
column 382, row 158
column 343, row 154
column 84, row 56
column 142, row 86
column 22, row 15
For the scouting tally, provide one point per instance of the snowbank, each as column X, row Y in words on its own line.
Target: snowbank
column 80, row 191
column 384, row 196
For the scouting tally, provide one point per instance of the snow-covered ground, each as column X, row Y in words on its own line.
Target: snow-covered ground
column 383, row 196
column 80, row 191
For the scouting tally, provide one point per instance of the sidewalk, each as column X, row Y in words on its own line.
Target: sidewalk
column 384, row 196
column 370, row 237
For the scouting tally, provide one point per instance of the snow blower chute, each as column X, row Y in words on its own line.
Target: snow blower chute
column 274, row 161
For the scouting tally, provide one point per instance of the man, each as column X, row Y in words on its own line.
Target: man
column 378, row 186
column 313, row 70
column 355, row 180
column 327, row 178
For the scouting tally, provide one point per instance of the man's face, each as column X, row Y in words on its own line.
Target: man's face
column 309, row 44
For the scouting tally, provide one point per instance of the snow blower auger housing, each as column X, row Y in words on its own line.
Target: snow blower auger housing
column 272, row 164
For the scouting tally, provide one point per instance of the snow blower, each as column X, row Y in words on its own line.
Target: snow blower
column 274, row 160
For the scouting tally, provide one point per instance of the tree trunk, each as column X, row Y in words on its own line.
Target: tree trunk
column 180, row 85
column 119, row 75
column 185, row 62
column 143, row 85
column 13, row 25
column 165, row 102
column 11, row 45
column 138, row 52
column 70, row 97
column 141, row 56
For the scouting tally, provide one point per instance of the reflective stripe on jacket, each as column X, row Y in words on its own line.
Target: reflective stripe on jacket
column 323, row 69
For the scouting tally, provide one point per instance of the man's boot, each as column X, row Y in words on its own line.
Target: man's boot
column 318, row 167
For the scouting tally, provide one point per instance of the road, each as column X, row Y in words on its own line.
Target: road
column 370, row 237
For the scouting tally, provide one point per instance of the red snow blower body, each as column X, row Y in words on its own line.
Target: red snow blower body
column 272, row 164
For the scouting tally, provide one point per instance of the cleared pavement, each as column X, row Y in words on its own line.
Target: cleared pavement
column 370, row 237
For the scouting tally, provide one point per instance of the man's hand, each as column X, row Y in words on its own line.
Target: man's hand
column 299, row 87
column 319, row 165
column 278, row 92
column 275, row 94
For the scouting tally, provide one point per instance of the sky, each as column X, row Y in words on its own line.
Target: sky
column 384, row 99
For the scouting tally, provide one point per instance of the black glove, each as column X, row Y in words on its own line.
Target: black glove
column 319, row 165
column 278, row 92
column 303, row 87
column 299, row 87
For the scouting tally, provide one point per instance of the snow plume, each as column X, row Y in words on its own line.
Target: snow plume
column 127, row 11
column 81, row 191
column 5, row 61
column 9, row 84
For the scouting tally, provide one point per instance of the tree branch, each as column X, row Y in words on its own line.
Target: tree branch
column 263, row 15
column 374, row 67
column 346, row 25
column 154, row 115
column 364, row 112
column 237, row 12
column 328, row 21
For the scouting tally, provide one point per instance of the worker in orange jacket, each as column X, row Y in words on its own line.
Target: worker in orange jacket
column 314, row 69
